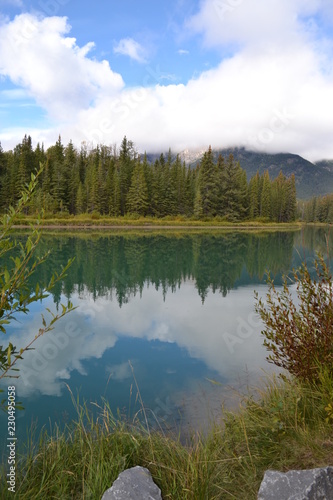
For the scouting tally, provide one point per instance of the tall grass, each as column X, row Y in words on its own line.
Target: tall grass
column 287, row 425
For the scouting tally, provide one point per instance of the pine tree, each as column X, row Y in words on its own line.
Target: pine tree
column 253, row 197
column 40, row 156
column 291, row 201
column 169, row 184
column 234, row 194
column 189, row 194
column 55, row 154
column 125, row 161
column 26, row 163
column 208, row 185
column 115, row 200
column 242, row 194
column 80, row 207
column 68, row 178
column 265, row 201
column 198, row 205
column 279, row 199
column 156, row 188
column 137, row 198
column 91, row 184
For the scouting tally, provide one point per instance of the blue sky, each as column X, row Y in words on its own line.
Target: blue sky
column 169, row 73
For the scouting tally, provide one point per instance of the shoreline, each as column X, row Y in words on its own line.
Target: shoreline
column 150, row 226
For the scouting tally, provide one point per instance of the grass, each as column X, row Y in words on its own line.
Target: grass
column 288, row 425
column 97, row 220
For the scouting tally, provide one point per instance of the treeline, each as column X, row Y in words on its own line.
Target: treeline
column 110, row 182
column 318, row 209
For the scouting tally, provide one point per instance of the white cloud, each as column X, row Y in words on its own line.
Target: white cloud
column 131, row 48
column 37, row 54
column 183, row 52
column 268, row 102
column 252, row 22
column 272, row 93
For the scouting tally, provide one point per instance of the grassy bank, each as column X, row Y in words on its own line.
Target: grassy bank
column 289, row 425
column 99, row 221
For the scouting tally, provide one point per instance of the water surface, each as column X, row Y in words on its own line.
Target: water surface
column 170, row 314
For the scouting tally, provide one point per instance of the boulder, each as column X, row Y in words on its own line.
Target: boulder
column 133, row 484
column 312, row 484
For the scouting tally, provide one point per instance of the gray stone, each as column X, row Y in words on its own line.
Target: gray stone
column 133, row 484
column 312, row 484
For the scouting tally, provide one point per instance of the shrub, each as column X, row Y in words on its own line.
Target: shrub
column 300, row 338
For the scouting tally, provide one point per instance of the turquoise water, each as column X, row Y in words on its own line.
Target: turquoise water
column 172, row 315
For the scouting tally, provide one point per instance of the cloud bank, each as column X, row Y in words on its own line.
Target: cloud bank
column 271, row 91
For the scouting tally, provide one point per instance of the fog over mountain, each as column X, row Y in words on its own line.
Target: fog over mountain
column 312, row 179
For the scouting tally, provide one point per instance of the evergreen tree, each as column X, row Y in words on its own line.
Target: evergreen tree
column 253, row 196
column 40, row 156
column 233, row 202
column 80, row 207
column 137, row 199
column 55, row 155
column 265, row 201
column 278, row 202
column 291, row 201
column 242, row 193
column 169, row 184
column 157, row 207
column 26, row 164
column 125, row 161
column 69, row 179
column 208, row 186
column 189, row 194
column 115, row 200
column 91, row 184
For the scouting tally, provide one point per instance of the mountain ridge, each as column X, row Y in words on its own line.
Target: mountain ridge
column 312, row 179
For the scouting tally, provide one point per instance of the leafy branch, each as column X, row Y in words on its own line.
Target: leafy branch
column 15, row 292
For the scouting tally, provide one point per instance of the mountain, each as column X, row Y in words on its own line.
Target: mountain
column 312, row 179
column 328, row 164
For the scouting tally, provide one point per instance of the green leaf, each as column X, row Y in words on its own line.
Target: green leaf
column 9, row 353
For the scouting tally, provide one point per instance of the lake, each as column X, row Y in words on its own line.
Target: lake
column 170, row 315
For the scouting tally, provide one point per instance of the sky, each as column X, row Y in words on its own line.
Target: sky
column 179, row 74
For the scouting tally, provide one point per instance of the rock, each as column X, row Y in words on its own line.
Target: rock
column 133, row 484
column 312, row 484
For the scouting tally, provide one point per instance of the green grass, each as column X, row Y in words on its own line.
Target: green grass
column 97, row 220
column 288, row 425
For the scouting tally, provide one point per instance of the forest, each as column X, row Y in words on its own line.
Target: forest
column 318, row 209
column 107, row 181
